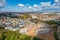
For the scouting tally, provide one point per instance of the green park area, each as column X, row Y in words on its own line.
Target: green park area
column 13, row 35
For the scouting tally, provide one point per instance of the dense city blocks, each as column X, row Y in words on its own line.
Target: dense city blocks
column 29, row 26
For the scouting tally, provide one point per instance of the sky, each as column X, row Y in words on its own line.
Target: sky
column 29, row 5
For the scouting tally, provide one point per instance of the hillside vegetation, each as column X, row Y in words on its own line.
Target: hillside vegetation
column 13, row 35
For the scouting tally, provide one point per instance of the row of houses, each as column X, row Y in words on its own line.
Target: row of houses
column 46, row 16
column 28, row 26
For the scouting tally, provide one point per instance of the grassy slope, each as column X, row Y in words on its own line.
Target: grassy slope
column 11, row 35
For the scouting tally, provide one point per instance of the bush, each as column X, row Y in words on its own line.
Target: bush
column 55, row 35
column 36, row 38
column 11, row 35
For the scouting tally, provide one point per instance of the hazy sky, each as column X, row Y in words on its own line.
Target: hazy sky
column 29, row 5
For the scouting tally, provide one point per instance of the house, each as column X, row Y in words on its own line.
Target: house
column 23, row 31
column 43, row 29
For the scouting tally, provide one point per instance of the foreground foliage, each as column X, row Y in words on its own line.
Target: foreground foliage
column 11, row 35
